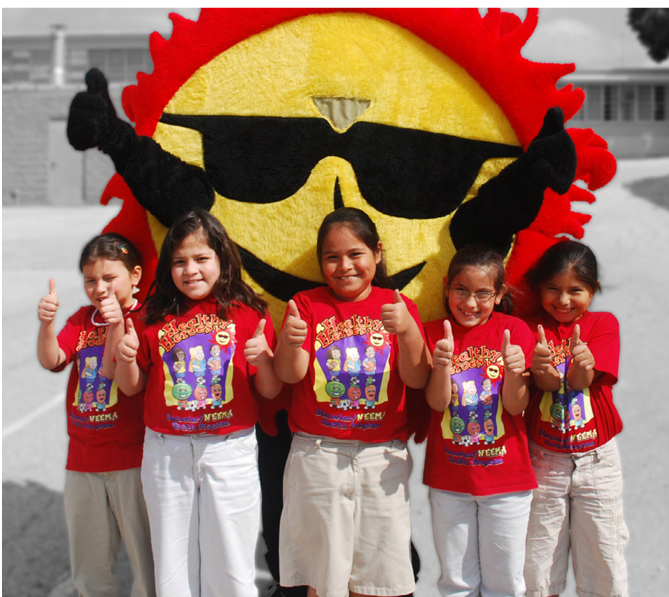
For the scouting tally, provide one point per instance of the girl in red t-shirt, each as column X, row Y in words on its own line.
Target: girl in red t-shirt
column 199, row 472
column 477, row 463
column 345, row 526
column 103, row 490
column 572, row 423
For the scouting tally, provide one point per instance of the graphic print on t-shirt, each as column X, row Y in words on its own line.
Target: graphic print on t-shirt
column 197, row 361
column 95, row 393
column 352, row 363
column 474, row 417
column 567, row 410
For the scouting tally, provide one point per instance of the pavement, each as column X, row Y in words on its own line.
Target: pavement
column 629, row 234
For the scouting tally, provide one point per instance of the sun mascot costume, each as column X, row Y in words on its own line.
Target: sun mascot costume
column 429, row 120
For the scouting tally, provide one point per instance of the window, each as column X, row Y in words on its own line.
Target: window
column 610, row 102
column 120, row 65
column 645, row 103
column 661, row 102
column 594, row 103
column 26, row 66
column 628, row 102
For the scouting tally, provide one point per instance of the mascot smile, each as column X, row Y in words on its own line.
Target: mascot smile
column 429, row 120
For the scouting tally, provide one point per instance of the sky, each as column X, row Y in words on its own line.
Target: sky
column 592, row 38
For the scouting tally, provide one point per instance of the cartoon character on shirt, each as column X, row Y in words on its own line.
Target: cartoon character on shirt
column 101, row 399
column 216, row 395
column 369, row 363
column 354, row 393
column 214, row 361
column 335, row 390
column 470, row 398
column 576, row 420
column 200, row 394
column 90, row 370
column 182, row 392
column 352, row 363
column 333, row 361
column 489, row 431
column 457, row 426
column 370, row 394
column 455, row 397
column 485, row 397
column 179, row 366
column 474, row 430
column 88, row 398
column 198, row 364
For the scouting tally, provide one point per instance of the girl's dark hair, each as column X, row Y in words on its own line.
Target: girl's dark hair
column 363, row 228
column 229, row 290
column 480, row 255
column 113, row 247
column 565, row 256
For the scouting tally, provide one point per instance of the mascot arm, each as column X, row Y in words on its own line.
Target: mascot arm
column 160, row 181
column 511, row 201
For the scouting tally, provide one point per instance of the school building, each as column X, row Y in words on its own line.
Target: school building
column 42, row 73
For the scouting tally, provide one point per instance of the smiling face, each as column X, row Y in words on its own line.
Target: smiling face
column 564, row 297
column 195, row 267
column 348, row 264
column 469, row 312
column 99, row 275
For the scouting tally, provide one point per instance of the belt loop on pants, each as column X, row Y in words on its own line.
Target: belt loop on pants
column 318, row 444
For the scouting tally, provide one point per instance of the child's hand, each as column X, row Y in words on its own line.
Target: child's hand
column 257, row 349
column 541, row 357
column 443, row 350
column 110, row 308
column 395, row 316
column 294, row 331
column 127, row 347
column 580, row 353
column 48, row 306
column 512, row 354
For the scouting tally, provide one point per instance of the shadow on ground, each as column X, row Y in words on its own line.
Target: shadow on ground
column 655, row 190
column 35, row 549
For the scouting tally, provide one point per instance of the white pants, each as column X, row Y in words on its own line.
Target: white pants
column 480, row 542
column 203, row 496
column 102, row 509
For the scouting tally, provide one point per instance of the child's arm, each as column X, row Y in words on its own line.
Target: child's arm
column 438, row 389
column 544, row 374
column 259, row 354
column 49, row 353
column 515, row 391
column 129, row 377
column 413, row 357
column 582, row 369
column 111, row 312
column 291, row 361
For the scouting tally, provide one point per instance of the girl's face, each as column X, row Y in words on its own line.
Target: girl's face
column 99, row 276
column 195, row 267
column 564, row 297
column 471, row 296
column 348, row 264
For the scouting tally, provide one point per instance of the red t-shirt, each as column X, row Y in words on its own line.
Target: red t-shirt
column 352, row 389
column 105, row 426
column 198, row 378
column 577, row 421
column 476, row 446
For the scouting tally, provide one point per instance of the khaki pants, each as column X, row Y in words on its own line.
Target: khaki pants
column 102, row 509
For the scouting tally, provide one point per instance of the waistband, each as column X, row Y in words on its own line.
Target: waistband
column 190, row 437
column 345, row 443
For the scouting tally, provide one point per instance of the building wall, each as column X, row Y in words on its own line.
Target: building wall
column 631, row 139
column 26, row 123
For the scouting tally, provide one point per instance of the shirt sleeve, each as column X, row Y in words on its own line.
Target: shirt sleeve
column 69, row 337
column 603, row 340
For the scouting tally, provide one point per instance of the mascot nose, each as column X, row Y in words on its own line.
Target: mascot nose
column 340, row 112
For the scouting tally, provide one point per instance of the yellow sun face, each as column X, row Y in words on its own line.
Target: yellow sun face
column 342, row 69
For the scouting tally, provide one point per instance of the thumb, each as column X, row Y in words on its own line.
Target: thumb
column 52, row 287
column 130, row 327
column 448, row 332
column 542, row 334
column 112, row 289
column 260, row 329
column 292, row 309
column 506, row 340
column 96, row 83
column 398, row 297
column 576, row 337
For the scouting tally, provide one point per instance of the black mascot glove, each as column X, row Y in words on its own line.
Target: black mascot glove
column 552, row 154
column 92, row 120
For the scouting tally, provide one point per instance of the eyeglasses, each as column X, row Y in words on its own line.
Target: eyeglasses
column 481, row 296
column 402, row 172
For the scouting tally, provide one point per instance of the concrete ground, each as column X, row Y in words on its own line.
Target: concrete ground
column 630, row 236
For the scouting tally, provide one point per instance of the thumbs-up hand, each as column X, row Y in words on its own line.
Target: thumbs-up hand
column 257, row 349
column 46, row 310
column 580, row 353
column 129, row 344
column 541, row 357
column 110, row 308
column 294, row 331
column 395, row 315
column 512, row 355
column 443, row 350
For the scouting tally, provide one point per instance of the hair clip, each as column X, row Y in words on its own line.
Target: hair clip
column 121, row 247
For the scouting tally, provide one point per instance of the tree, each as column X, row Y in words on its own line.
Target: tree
column 652, row 28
